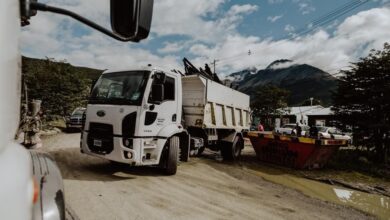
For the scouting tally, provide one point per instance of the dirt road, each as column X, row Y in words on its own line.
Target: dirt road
column 202, row 189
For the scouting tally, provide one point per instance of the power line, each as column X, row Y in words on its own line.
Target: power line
column 249, row 52
column 327, row 21
column 329, row 15
column 323, row 20
column 337, row 10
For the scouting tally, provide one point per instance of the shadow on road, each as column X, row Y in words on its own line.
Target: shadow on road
column 248, row 160
column 70, row 130
column 77, row 166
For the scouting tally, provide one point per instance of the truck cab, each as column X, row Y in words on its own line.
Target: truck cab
column 132, row 115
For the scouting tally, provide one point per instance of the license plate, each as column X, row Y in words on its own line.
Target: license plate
column 97, row 143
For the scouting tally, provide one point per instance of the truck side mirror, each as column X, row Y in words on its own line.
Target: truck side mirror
column 131, row 18
column 160, row 77
column 157, row 93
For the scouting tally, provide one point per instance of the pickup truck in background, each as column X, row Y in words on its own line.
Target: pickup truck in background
column 75, row 120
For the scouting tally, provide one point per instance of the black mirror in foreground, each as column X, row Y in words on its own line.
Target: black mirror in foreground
column 131, row 18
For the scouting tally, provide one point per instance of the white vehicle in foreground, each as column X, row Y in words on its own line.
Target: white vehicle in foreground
column 31, row 184
column 148, row 116
column 332, row 133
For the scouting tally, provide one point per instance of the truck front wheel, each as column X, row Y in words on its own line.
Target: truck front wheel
column 232, row 151
column 172, row 156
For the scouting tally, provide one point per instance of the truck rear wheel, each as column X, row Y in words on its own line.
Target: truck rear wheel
column 232, row 151
column 172, row 156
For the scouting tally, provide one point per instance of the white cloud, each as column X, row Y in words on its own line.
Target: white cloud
column 273, row 19
column 171, row 47
column 208, row 31
column 92, row 50
column 283, row 65
column 275, row 1
column 352, row 39
column 289, row 28
column 63, row 38
column 305, row 6
column 189, row 18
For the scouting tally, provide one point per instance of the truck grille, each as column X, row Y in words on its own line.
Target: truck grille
column 75, row 120
column 100, row 138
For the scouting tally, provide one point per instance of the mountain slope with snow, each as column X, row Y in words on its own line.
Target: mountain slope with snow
column 302, row 80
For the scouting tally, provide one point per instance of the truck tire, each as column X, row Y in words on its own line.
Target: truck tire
column 172, row 156
column 232, row 152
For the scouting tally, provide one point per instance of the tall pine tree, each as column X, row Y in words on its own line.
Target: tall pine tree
column 267, row 100
column 362, row 101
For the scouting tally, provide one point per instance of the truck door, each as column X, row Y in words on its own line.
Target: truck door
column 164, row 112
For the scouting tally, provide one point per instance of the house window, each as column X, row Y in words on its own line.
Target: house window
column 320, row 122
column 286, row 121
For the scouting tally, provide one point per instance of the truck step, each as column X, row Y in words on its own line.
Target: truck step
column 150, row 162
column 150, row 146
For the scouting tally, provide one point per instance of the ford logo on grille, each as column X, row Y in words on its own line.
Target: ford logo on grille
column 100, row 113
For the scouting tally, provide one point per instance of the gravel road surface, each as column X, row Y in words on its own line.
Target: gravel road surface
column 203, row 188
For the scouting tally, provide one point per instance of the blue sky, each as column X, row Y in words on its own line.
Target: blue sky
column 226, row 30
column 291, row 14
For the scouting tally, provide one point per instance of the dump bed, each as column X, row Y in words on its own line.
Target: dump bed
column 208, row 104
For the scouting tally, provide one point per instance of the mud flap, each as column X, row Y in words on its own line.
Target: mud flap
column 184, row 149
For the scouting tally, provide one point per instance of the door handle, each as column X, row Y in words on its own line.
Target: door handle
column 174, row 117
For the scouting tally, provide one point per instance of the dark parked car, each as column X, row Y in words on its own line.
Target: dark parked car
column 75, row 120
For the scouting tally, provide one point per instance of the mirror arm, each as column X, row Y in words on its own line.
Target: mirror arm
column 44, row 7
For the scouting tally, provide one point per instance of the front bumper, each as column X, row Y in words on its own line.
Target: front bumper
column 141, row 153
column 70, row 125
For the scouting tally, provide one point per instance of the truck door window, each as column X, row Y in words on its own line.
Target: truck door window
column 169, row 89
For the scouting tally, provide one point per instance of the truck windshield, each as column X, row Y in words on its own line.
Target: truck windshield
column 120, row 88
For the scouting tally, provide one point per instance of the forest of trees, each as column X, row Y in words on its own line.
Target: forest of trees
column 362, row 102
column 61, row 86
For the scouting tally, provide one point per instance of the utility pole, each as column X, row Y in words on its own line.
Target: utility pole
column 214, row 63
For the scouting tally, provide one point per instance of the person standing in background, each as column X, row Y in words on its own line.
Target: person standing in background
column 260, row 127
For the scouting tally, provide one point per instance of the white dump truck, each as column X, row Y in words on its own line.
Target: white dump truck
column 148, row 116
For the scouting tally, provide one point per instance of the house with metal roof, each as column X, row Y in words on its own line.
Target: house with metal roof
column 296, row 114
column 322, row 117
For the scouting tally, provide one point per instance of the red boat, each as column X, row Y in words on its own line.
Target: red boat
column 292, row 151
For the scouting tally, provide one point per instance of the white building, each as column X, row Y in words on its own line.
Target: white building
column 297, row 114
